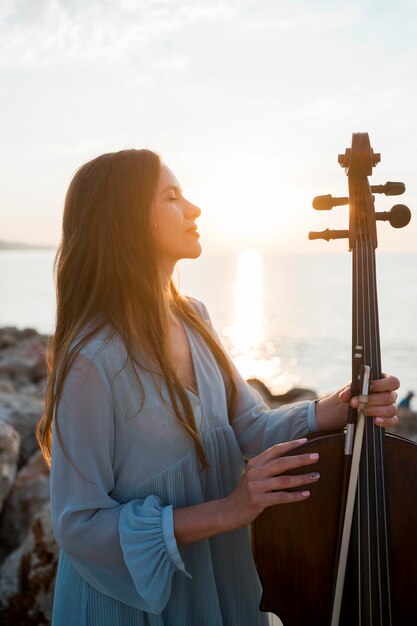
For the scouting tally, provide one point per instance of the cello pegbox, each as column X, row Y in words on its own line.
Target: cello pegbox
column 364, row 159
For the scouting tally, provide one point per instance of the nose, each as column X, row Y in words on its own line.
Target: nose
column 192, row 210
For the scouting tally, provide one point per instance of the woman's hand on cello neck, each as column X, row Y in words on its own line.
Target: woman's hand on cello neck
column 331, row 412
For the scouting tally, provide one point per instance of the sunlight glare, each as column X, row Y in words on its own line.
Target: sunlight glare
column 251, row 352
column 252, row 205
column 248, row 330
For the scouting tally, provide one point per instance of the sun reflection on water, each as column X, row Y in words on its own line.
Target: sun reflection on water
column 248, row 331
column 254, row 355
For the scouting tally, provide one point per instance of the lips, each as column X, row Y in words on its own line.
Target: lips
column 192, row 230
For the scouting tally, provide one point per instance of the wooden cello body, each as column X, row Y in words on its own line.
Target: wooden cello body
column 298, row 548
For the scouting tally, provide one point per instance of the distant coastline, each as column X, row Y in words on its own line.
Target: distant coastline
column 17, row 245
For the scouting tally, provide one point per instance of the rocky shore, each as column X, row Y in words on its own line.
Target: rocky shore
column 28, row 551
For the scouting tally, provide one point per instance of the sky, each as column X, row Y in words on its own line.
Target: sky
column 248, row 101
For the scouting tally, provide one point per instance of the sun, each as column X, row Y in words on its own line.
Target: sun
column 250, row 206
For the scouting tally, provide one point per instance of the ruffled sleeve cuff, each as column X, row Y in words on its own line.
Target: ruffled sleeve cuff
column 150, row 550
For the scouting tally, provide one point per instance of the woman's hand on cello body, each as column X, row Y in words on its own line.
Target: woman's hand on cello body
column 331, row 412
column 265, row 482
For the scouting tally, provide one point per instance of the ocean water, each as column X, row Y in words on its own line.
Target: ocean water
column 285, row 319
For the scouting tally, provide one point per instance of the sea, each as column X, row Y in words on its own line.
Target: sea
column 284, row 319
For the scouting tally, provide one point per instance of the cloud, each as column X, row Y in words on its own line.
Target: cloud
column 299, row 16
column 50, row 31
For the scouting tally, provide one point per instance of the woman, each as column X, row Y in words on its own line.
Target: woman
column 147, row 421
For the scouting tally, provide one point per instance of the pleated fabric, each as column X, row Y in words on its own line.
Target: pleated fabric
column 122, row 463
column 222, row 587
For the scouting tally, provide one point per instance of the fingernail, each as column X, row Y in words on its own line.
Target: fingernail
column 379, row 420
column 305, row 493
column 303, row 440
column 315, row 475
column 314, row 456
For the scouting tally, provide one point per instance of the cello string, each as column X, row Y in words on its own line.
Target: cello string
column 380, row 438
column 368, row 361
column 370, row 450
column 365, row 458
column 357, row 342
column 372, row 427
column 373, row 350
column 366, row 334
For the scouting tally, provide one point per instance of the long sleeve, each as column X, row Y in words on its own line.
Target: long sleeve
column 126, row 551
column 256, row 426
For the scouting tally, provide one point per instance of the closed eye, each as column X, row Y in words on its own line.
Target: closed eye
column 176, row 193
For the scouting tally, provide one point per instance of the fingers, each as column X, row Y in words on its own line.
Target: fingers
column 379, row 403
column 282, row 465
column 282, row 483
column 382, row 398
column 275, row 452
column 279, row 489
column 386, row 383
column 387, row 422
column 266, row 480
column 285, row 497
column 346, row 394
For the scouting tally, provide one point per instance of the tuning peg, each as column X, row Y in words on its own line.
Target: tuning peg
column 325, row 203
column 389, row 189
column 398, row 217
column 329, row 234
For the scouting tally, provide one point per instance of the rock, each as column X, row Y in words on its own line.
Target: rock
column 9, row 453
column 27, row 576
column 8, row 337
column 22, row 413
column 35, row 391
column 22, row 369
column 27, row 496
column 22, row 356
column 274, row 401
column 6, row 385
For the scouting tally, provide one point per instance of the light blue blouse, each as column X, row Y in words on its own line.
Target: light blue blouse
column 125, row 465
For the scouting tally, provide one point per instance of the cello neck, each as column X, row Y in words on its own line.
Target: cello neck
column 369, row 549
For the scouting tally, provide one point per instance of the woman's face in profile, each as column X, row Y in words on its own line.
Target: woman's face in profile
column 173, row 219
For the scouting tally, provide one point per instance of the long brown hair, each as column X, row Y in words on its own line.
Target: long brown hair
column 107, row 275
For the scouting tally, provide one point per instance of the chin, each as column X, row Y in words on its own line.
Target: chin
column 193, row 254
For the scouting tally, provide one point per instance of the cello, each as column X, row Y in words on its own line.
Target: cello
column 347, row 556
